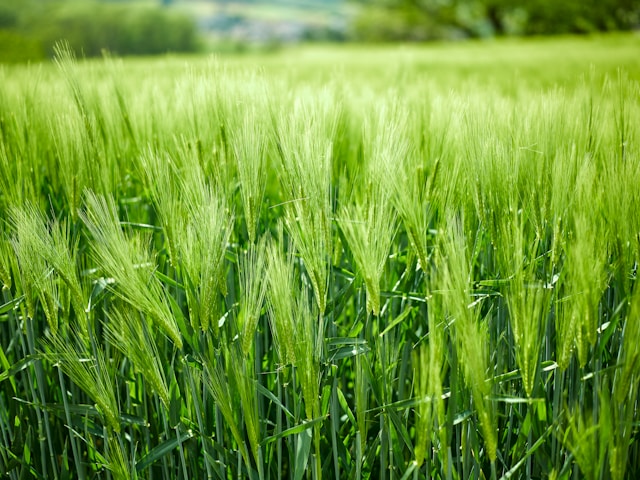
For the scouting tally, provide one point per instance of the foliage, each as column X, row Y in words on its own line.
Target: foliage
column 91, row 28
column 18, row 47
column 450, row 19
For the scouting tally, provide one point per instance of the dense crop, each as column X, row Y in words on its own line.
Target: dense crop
column 389, row 263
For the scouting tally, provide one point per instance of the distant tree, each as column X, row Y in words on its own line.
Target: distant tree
column 123, row 28
column 8, row 16
column 420, row 19
column 424, row 19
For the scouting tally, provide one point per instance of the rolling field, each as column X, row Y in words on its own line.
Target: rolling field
column 406, row 262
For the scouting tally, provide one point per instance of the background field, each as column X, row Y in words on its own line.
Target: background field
column 391, row 262
column 29, row 29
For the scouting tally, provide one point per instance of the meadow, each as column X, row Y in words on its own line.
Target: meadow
column 385, row 262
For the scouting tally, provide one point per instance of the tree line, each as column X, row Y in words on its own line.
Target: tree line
column 418, row 20
column 29, row 29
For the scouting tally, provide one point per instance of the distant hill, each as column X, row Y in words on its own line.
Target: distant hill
column 270, row 20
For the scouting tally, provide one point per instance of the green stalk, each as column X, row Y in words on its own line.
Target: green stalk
column 198, row 410
column 279, row 420
column 333, row 416
column 41, row 391
column 384, row 448
column 219, row 438
column 74, row 445
column 105, row 436
column 181, row 452
column 358, row 455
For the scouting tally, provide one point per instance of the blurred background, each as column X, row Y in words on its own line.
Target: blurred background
column 30, row 28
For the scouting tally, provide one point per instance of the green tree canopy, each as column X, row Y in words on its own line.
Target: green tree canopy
column 432, row 19
column 29, row 30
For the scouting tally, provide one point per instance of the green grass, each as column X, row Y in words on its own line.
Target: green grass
column 372, row 262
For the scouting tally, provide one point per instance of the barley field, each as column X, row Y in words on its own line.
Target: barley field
column 406, row 262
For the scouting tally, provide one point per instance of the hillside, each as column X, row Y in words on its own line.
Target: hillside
column 280, row 20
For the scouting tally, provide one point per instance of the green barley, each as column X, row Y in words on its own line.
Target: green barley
column 52, row 241
column 36, row 277
column 128, row 262
column 219, row 388
column 249, row 141
column 587, row 278
column 471, row 313
column 394, row 160
column 469, row 330
column 118, row 463
column 241, row 370
column 304, row 143
column 202, row 248
column 527, row 298
column 253, row 285
column 280, row 275
column 6, row 256
column 128, row 331
column 369, row 226
column 431, row 365
column 89, row 371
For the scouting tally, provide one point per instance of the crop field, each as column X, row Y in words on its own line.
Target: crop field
column 406, row 262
